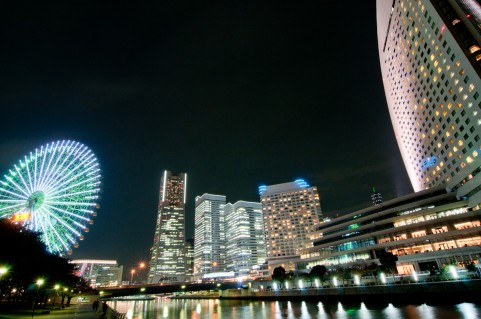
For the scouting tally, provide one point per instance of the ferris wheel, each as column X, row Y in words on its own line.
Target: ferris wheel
column 54, row 190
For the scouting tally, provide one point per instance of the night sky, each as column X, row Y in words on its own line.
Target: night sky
column 236, row 94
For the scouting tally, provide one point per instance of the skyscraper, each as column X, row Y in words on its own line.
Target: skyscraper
column 376, row 197
column 167, row 263
column 209, row 240
column 290, row 210
column 245, row 242
column 430, row 54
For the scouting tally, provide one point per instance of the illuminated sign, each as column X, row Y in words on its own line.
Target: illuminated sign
column 430, row 161
column 20, row 217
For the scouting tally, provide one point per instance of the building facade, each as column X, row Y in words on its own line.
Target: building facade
column 167, row 263
column 430, row 55
column 245, row 242
column 99, row 273
column 209, row 238
column 289, row 210
column 189, row 260
column 425, row 230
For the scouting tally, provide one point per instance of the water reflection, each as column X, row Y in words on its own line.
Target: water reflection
column 229, row 309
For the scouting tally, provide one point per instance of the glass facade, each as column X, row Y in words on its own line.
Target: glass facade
column 167, row 263
column 209, row 242
column 245, row 243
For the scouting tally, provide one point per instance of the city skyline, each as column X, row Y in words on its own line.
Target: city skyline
column 234, row 95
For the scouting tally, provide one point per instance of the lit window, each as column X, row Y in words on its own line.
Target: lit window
column 474, row 48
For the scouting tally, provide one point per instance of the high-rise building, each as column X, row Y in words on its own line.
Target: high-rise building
column 167, row 263
column 290, row 210
column 99, row 273
column 430, row 54
column 245, row 242
column 189, row 259
column 209, row 240
column 376, row 197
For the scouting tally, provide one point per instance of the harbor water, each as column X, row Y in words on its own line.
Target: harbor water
column 230, row 309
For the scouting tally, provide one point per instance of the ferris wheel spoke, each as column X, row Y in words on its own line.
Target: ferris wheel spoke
column 67, row 212
column 56, row 155
column 43, row 155
column 54, row 230
column 55, row 184
column 14, row 194
column 78, row 160
column 88, row 191
column 17, row 186
column 76, row 170
column 66, row 157
column 71, row 203
column 50, row 149
column 27, row 167
column 21, row 177
column 60, row 220
column 63, row 189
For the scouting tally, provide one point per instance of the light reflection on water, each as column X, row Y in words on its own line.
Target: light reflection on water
column 230, row 309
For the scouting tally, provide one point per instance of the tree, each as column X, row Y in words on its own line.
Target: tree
column 318, row 272
column 27, row 260
column 279, row 274
column 388, row 260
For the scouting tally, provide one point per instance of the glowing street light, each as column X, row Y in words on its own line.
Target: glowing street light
column 453, row 271
column 56, row 287
column 415, row 276
column 132, row 272
column 3, row 271
column 39, row 283
column 357, row 280
column 334, row 281
column 383, row 278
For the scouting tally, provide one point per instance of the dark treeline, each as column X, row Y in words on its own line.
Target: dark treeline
column 31, row 275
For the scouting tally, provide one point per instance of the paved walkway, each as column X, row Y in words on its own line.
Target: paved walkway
column 81, row 311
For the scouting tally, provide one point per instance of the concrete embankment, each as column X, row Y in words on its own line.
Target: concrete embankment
column 464, row 290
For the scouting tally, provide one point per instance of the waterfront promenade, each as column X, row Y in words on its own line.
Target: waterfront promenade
column 79, row 311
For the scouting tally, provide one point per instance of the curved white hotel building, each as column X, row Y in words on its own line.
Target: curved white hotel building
column 430, row 54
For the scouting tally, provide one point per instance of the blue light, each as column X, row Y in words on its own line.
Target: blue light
column 262, row 189
column 301, row 183
column 430, row 161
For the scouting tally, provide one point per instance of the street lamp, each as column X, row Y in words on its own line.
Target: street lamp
column 39, row 283
column 3, row 271
column 56, row 287
column 132, row 272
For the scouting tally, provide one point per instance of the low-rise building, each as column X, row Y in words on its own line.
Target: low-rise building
column 99, row 273
column 426, row 230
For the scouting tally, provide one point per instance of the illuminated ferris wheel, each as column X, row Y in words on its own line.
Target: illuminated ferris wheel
column 54, row 190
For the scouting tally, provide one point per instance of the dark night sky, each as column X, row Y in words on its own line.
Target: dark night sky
column 235, row 94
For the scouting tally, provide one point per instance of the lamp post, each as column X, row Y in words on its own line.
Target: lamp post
column 56, row 287
column 3, row 271
column 132, row 272
column 39, row 283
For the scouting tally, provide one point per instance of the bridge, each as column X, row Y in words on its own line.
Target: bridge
column 153, row 289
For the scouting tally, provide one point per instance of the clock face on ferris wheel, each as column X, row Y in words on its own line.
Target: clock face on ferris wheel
column 53, row 190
